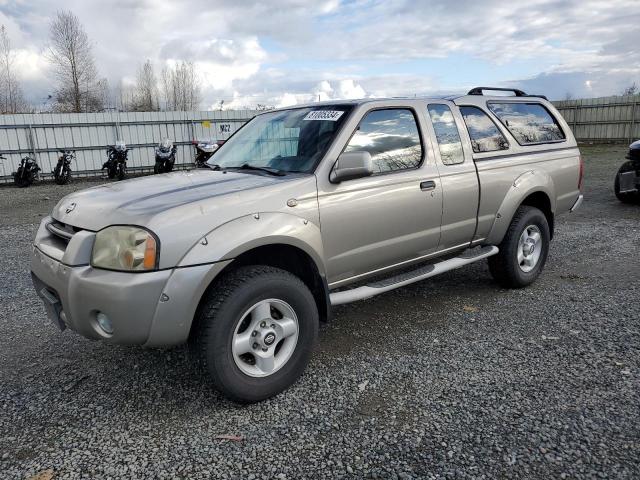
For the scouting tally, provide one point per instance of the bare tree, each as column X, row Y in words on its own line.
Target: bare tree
column 72, row 58
column 631, row 89
column 11, row 97
column 146, row 95
column 181, row 87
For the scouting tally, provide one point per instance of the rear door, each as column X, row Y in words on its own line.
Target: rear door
column 391, row 217
column 458, row 176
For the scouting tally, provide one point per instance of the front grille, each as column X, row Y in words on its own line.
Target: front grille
column 61, row 230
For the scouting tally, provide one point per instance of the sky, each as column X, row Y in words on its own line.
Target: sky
column 283, row 52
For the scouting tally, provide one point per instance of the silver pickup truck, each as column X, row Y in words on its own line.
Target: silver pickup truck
column 302, row 209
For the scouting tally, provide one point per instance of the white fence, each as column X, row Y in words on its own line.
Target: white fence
column 89, row 134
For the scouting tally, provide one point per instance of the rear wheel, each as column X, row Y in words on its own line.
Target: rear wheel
column 255, row 332
column 524, row 249
column 625, row 197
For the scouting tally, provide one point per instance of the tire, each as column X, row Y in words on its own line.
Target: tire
column 628, row 197
column 224, row 316
column 157, row 168
column 61, row 175
column 517, row 264
column 111, row 172
column 122, row 171
column 21, row 180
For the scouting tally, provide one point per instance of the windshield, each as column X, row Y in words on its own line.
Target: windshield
column 289, row 140
column 166, row 144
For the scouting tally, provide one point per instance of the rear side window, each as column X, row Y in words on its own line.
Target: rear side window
column 446, row 133
column 528, row 122
column 391, row 137
column 485, row 136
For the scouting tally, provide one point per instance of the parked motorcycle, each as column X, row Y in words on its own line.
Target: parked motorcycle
column 627, row 183
column 27, row 172
column 204, row 150
column 165, row 156
column 62, row 172
column 116, row 164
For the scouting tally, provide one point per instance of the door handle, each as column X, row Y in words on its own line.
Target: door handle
column 427, row 185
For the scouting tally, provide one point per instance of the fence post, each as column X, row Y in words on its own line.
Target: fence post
column 575, row 120
column 633, row 119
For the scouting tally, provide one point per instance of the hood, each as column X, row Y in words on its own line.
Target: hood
column 137, row 201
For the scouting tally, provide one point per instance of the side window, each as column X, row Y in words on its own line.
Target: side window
column 391, row 137
column 485, row 136
column 447, row 134
column 528, row 122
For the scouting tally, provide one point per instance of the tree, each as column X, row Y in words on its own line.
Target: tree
column 631, row 90
column 11, row 97
column 71, row 56
column 146, row 95
column 181, row 87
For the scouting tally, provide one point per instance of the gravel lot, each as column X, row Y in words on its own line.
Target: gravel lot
column 449, row 378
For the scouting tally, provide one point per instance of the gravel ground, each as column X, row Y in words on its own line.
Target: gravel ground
column 449, row 378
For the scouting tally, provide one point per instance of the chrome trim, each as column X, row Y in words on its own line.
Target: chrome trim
column 368, row 291
column 577, row 204
column 58, row 231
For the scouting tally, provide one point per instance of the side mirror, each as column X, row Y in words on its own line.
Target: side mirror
column 352, row 165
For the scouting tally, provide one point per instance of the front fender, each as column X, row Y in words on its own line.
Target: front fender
column 233, row 238
column 532, row 181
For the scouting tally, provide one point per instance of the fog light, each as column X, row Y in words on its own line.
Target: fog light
column 104, row 323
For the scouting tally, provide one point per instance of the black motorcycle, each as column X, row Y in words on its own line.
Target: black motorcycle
column 27, row 172
column 204, row 150
column 165, row 157
column 116, row 164
column 627, row 182
column 62, row 172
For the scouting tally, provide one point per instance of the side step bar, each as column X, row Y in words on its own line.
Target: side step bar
column 376, row 288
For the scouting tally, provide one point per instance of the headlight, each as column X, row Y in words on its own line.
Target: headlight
column 125, row 248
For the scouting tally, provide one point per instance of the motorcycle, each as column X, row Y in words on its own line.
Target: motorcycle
column 27, row 172
column 165, row 156
column 116, row 164
column 627, row 183
column 62, row 172
column 204, row 150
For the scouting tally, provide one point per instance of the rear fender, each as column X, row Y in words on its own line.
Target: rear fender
column 532, row 181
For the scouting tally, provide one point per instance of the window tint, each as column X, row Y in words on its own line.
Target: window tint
column 485, row 136
column 392, row 139
column 447, row 134
column 528, row 122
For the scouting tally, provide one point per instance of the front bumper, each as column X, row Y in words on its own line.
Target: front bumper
column 146, row 308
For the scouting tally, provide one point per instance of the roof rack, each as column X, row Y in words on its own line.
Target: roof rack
column 518, row 93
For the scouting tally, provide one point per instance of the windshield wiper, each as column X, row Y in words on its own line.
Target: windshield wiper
column 213, row 166
column 269, row 170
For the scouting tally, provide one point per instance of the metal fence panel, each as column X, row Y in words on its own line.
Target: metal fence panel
column 89, row 134
column 604, row 119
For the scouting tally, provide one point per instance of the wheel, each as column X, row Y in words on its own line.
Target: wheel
column 626, row 197
column 157, row 168
column 61, row 175
column 21, row 179
column 111, row 172
column 523, row 251
column 255, row 332
column 169, row 167
column 121, row 172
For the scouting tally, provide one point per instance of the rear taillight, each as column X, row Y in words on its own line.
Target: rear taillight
column 581, row 175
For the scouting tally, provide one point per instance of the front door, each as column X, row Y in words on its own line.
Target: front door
column 390, row 217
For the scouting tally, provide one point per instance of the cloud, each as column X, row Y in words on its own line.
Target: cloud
column 279, row 51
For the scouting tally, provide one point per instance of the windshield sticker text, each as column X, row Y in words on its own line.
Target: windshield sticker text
column 330, row 115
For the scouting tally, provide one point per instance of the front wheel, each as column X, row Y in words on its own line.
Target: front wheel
column 524, row 249
column 255, row 332
column 62, row 175
column 625, row 197
column 122, row 171
column 23, row 178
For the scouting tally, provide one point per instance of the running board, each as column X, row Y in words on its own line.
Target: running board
column 391, row 283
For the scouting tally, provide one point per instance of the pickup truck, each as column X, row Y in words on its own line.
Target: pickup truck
column 302, row 209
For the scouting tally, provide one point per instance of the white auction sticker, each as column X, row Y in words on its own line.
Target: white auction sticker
column 330, row 115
